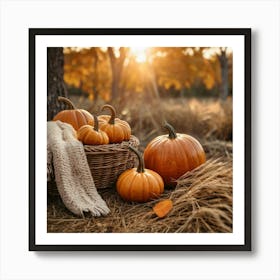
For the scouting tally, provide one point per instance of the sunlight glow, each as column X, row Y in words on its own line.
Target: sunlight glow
column 211, row 52
column 139, row 53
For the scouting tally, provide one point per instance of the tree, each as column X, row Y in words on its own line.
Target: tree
column 223, row 60
column 117, row 58
column 112, row 73
column 183, row 67
column 88, row 70
column 55, row 84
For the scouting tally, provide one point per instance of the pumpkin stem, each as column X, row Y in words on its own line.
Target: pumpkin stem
column 141, row 167
column 113, row 113
column 67, row 101
column 96, row 126
column 171, row 130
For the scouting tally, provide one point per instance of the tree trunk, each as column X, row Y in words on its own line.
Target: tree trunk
column 224, row 74
column 55, row 84
column 95, row 75
column 117, row 67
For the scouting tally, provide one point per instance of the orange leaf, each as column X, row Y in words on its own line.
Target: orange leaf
column 163, row 207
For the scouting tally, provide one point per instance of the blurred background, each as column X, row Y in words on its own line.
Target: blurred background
column 189, row 87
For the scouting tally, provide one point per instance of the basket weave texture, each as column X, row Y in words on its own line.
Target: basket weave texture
column 106, row 163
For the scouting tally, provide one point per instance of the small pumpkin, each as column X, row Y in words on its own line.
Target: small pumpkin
column 116, row 129
column 90, row 135
column 139, row 184
column 75, row 117
column 174, row 154
column 105, row 118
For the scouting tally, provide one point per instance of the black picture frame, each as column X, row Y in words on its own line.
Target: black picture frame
column 246, row 32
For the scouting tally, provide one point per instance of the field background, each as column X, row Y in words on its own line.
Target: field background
column 202, row 199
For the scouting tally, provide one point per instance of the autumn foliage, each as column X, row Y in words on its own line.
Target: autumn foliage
column 109, row 73
column 163, row 207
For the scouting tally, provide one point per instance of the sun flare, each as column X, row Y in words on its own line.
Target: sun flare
column 139, row 53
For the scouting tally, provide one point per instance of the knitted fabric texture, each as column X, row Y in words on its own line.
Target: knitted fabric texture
column 50, row 172
column 72, row 174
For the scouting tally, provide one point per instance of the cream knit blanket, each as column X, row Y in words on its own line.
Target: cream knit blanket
column 72, row 174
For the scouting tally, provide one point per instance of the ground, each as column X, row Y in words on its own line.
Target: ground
column 202, row 199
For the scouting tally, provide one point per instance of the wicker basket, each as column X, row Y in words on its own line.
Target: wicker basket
column 106, row 163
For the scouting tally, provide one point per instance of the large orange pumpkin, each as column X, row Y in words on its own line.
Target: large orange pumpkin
column 173, row 154
column 139, row 184
column 75, row 117
column 116, row 129
column 92, row 135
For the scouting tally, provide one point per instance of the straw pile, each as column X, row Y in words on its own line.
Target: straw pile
column 202, row 202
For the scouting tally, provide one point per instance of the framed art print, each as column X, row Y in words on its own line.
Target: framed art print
column 140, row 139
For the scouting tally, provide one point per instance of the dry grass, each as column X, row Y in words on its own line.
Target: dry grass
column 205, row 119
column 202, row 200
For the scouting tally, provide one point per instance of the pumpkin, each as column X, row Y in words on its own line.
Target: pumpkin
column 162, row 208
column 75, row 117
column 139, row 184
column 105, row 118
column 173, row 155
column 116, row 129
column 90, row 135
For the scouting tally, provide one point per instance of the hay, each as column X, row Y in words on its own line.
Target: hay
column 216, row 148
column 202, row 202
